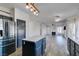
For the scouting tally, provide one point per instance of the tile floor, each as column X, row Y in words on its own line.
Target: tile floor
column 55, row 46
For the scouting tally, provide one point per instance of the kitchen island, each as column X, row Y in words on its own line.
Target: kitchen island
column 34, row 46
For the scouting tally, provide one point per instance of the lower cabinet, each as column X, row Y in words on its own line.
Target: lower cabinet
column 72, row 51
column 77, row 50
column 77, row 53
column 30, row 48
column 7, row 47
column 73, row 48
column 43, row 46
column 68, row 45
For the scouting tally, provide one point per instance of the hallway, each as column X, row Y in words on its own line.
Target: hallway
column 56, row 46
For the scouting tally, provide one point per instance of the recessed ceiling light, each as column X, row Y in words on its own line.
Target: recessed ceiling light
column 57, row 20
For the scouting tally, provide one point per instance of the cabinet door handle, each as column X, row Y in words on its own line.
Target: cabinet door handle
column 24, row 43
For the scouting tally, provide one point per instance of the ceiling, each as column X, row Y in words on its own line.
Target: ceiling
column 48, row 11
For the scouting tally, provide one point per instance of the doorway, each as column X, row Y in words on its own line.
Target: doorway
column 21, row 32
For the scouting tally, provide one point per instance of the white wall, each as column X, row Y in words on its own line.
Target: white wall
column 44, row 29
column 1, row 24
column 59, row 30
column 32, row 27
column 71, row 28
column 48, row 30
column 19, row 14
column 53, row 28
column 77, row 29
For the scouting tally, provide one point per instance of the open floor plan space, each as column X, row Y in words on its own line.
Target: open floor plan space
column 56, row 46
column 39, row 29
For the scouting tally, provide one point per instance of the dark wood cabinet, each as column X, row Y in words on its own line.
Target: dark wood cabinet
column 73, row 47
column 68, row 45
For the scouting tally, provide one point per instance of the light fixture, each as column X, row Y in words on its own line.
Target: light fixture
column 32, row 8
column 27, row 6
column 35, row 13
column 57, row 20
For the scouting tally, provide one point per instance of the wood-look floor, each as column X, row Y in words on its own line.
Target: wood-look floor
column 55, row 46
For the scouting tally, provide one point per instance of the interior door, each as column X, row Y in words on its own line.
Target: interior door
column 21, row 31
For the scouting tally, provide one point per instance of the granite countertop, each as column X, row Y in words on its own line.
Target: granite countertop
column 34, row 38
